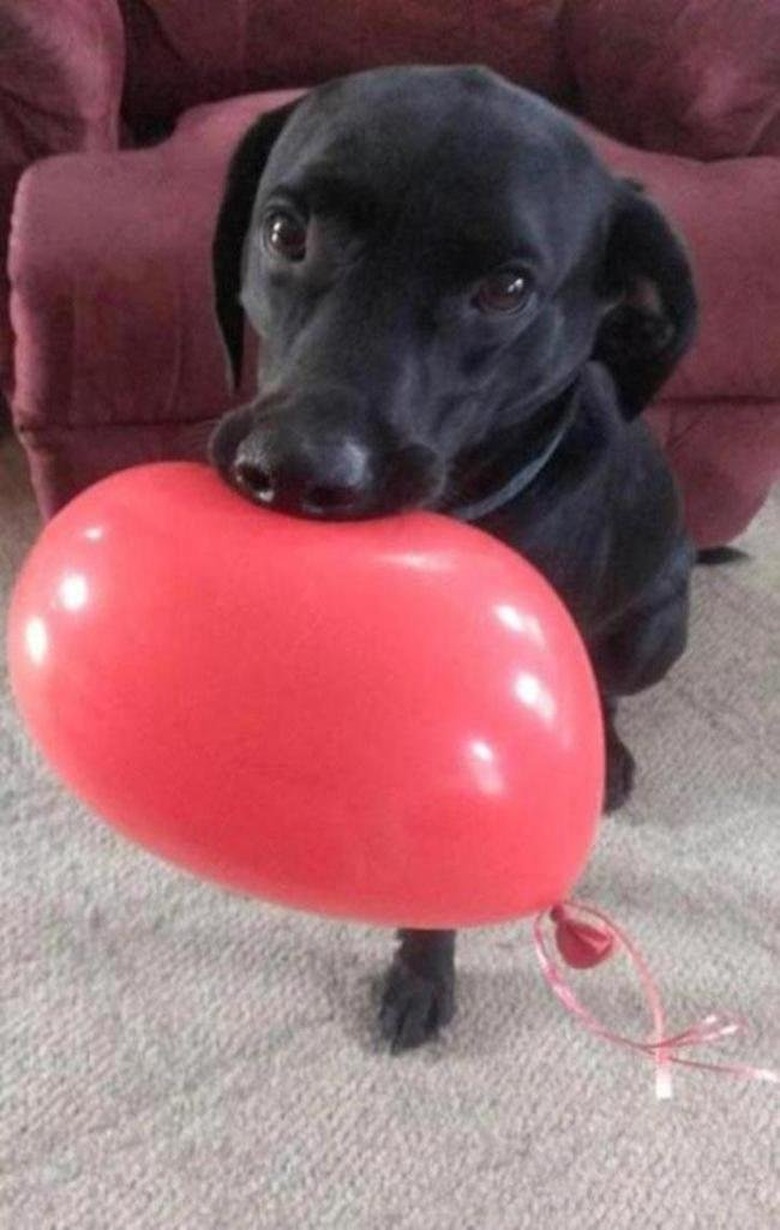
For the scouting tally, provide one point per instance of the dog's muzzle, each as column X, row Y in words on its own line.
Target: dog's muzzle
column 313, row 458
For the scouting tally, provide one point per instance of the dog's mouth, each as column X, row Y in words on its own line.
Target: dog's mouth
column 484, row 479
column 329, row 471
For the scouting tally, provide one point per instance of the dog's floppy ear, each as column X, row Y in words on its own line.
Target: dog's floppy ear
column 653, row 321
column 235, row 212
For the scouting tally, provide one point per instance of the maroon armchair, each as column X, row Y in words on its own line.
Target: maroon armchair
column 115, row 354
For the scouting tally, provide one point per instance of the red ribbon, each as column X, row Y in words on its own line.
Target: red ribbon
column 585, row 936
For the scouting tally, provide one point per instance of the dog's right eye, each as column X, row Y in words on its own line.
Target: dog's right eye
column 506, row 291
column 284, row 235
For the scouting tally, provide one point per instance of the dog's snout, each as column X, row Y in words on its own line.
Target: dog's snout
column 324, row 453
column 317, row 479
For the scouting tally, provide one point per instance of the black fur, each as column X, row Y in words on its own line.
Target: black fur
column 391, row 378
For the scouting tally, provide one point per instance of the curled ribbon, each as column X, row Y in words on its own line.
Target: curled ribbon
column 585, row 936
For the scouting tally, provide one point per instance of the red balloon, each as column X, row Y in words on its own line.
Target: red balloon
column 393, row 721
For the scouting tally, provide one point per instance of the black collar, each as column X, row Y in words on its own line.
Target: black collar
column 522, row 478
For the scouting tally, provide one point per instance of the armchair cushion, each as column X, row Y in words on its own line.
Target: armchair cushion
column 184, row 52
column 694, row 77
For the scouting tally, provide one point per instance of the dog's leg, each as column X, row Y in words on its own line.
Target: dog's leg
column 621, row 765
column 419, row 994
column 637, row 654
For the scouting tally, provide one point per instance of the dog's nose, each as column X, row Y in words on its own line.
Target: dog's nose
column 330, row 479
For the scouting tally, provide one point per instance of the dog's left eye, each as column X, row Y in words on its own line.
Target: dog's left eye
column 507, row 291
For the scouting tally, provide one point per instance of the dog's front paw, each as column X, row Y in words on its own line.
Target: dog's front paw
column 415, row 1005
column 621, row 770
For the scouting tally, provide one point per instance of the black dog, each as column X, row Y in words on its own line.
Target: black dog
column 462, row 309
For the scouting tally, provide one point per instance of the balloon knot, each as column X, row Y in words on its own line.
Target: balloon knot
column 582, row 945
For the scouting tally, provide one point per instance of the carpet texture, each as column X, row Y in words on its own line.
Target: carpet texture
column 176, row 1057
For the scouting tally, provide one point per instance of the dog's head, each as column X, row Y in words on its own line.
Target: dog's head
column 430, row 256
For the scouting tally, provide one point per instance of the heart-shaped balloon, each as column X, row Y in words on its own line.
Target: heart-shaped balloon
column 393, row 721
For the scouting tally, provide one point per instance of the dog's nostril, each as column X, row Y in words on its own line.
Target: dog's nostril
column 254, row 480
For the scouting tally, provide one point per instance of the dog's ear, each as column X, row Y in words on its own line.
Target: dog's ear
column 246, row 167
column 648, row 276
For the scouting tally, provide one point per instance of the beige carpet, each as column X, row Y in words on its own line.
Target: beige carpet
column 176, row 1057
